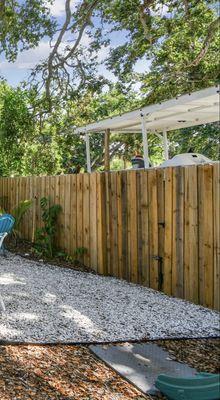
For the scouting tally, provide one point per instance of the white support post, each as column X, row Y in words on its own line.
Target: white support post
column 165, row 144
column 88, row 160
column 145, row 142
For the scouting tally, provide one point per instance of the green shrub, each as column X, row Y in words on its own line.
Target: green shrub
column 18, row 213
column 44, row 237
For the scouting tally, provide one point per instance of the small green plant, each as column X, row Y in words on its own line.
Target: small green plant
column 44, row 237
column 2, row 211
column 61, row 254
column 79, row 252
column 64, row 256
column 18, row 213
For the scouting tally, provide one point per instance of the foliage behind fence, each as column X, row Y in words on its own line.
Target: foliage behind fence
column 158, row 227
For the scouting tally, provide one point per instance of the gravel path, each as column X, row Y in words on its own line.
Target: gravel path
column 49, row 304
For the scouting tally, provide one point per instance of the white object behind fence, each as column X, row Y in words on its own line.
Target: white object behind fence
column 186, row 159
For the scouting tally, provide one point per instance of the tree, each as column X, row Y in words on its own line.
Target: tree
column 23, row 25
column 88, row 108
column 23, row 136
column 179, row 38
column 33, row 143
column 61, row 63
column 203, row 139
column 16, row 126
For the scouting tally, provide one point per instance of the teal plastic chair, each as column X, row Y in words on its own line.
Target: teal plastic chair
column 6, row 225
column 202, row 386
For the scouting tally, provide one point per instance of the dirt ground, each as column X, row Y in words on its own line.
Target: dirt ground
column 74, row 373
column 25, row 249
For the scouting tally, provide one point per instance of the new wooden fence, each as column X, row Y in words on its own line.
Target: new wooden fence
column 158, row 227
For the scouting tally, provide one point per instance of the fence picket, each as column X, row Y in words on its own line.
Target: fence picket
column 92, row 225
column 191, row 235
column 168, row 236
column 153, row 228
column 73, row 214
column 216, row 241
column 178, row 232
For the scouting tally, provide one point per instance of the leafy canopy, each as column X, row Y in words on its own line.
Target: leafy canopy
column 23, row 24
column 178, row 38
column 178, row 41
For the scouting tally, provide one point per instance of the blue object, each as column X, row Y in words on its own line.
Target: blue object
column 6, row 225
column 202, row 386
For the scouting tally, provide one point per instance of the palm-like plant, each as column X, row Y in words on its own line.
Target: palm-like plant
column 18, row 213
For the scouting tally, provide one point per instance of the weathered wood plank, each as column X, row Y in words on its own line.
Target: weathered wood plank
column 119, row 224
column 67, row 205
column 161, row 225
column 153, row 228
column 133, row 228
column 28, row 214
column 33, row 207
column 129, row 227
column 206, row 248
column 24, row 222
column 124, row 207
column 143, row 240
column 57, row 201
column 114, row 224
column 93, row 222
column 108, row 207
column 168, row 234
column 86, row 218
column 73, row 213
column 216, row 241
column 178, row 232
column 79, row 206
column 191, row 235
column 101, row 224
column 61, row 219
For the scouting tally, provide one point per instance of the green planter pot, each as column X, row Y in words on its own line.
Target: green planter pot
column 202, row 386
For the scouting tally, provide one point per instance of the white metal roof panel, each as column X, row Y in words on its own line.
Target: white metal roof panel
column 188, row 110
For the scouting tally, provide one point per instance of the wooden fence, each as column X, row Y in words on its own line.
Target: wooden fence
column 158, row 227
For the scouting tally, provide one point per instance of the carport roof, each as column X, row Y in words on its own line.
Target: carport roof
column 191, row 109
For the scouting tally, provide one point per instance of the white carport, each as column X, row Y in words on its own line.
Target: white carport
column 189, row 110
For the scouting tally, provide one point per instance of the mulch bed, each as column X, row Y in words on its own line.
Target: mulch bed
column 203, row 355
column 60, row 372
column 73, row 372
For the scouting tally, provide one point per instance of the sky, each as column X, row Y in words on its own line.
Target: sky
column 15, row 72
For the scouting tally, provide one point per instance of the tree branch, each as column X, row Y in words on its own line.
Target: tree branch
column 56, row 46
column 186, row 7
column 211, row 32
column 82, row 29
column 58, row 61
column 144, row 12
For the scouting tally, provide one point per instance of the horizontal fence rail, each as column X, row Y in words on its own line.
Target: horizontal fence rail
column 155, row 227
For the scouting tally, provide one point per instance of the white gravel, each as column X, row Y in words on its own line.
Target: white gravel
column 51, row 304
